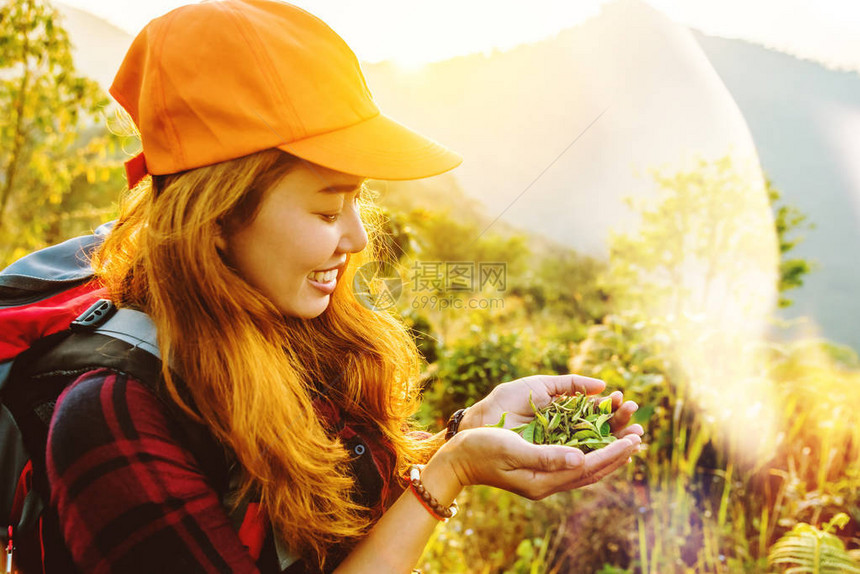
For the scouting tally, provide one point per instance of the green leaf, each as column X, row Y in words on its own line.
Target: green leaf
column 529, row 432
column 591, row 444
column 532, row 403
column 568, row 403
column 501, row 423
column 839, row 521
column 602, row 421
column 606, row 405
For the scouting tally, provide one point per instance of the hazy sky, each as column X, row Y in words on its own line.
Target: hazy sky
column 416, row 32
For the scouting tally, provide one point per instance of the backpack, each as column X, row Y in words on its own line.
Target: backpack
column 55, row 325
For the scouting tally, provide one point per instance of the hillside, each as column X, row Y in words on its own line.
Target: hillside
column 805, row 120
column 514, row 115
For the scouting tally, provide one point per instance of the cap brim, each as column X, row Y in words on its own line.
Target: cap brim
column 377, row 148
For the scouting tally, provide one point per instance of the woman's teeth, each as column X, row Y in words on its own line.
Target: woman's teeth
column 323, row 276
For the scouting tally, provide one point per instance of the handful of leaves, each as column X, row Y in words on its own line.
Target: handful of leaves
column 569, row 420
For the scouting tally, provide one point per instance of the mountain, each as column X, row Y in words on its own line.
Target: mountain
column 805, row 121
column 513, row 115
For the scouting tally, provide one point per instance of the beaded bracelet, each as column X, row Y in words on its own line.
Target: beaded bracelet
column 439, row 512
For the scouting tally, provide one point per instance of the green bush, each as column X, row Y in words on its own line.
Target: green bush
column 497, row 531
column 469, row 368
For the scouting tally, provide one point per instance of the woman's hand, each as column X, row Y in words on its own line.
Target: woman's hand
column 513, row 398
column 491, row 456
column 500, row 458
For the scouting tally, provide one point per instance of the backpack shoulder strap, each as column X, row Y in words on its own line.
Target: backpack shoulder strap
column 133, row 327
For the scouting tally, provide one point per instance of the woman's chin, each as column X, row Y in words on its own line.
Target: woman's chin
column 311, row 308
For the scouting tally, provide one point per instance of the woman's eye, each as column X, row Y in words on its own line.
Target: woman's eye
column 329, row 217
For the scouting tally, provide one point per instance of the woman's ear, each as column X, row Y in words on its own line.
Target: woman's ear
column 221, row 242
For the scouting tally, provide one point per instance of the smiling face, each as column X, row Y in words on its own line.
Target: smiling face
column 295, row 248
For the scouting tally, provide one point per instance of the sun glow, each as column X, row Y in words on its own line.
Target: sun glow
column 414, row 34
column 708, row 262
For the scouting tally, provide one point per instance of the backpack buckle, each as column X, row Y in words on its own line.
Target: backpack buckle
column 94, row 317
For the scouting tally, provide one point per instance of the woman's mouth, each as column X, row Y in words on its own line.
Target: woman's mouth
column 325, row 281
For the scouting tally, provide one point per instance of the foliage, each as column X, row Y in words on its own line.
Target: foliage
column 576, row 421
column 808, row 549
column 703, row 505
column 670, row 488
column 50, row 147
column 471, row 367
column 817, row 464
column 468, row 368
column 441, row 237
column 563, row 287
column 498, row 531
column 689, row 270
column 788, row 221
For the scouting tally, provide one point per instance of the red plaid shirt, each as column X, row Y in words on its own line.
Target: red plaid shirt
column 131, row 499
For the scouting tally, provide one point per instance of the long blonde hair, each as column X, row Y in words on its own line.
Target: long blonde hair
column 251, row 374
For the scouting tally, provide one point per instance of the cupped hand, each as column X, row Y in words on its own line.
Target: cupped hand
column 513, row 398
column 501, row 458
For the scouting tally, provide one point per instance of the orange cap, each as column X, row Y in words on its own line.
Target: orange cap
column 221, row 79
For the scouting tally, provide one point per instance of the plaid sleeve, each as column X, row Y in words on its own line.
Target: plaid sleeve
column 129, row 497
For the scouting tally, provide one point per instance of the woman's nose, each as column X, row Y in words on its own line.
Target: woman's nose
column 354, row 237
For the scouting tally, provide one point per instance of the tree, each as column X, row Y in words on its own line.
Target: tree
column 49, row 136
column 708, row 246
column 788, row 220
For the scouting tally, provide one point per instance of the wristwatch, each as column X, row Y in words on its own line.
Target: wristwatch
column 454, row 423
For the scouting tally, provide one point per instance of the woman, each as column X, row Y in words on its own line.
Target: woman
column 258, row 131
